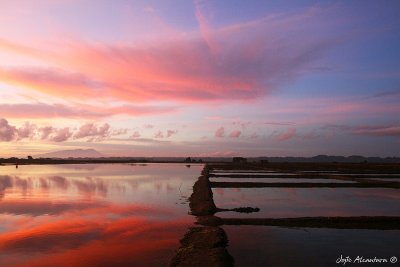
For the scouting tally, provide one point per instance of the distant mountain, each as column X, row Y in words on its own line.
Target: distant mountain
column 72, row 153
column 330, row 159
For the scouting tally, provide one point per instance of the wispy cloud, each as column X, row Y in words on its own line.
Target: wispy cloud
column 171, row 132
column 235, row 134
column 256, row 58
column 388, row 93
column 218, row 154
column 220, row 132
column 393, row 130
column 279, row 123
column 43, row 110
column 167, row 134
column 286, row 135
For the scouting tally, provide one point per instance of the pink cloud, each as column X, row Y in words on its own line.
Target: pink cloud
column 377, row 130
column 171, row 132
column 148, row 126
column 235, row 134
column 45, row 132
column 28, row 130
column 136, row 134
column 181, row 68
column 7, row 132
column 220, row 132
column 139, row 110
column 204, row 27
column 218, row 154
column 288, row 134
column 119, row 132
column 159, row 134
column 367, row 130
column 345, row 108
column 312, row 134
column 280, row 123
column 168, row 134
column 61, row 135
column 92, row 130
column 42, row 110
column 243, row 124
column 31, row 131
column 254, row 136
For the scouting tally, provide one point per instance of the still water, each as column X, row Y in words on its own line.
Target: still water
column 303, row 246
column 309, row 202
column 278, row 180
column 310, row 247
column 94, row 214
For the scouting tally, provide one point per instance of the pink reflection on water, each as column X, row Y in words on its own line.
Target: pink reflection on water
column 84, row 242
column 108, row 215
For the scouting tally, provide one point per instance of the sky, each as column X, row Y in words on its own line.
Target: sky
column 200, row 78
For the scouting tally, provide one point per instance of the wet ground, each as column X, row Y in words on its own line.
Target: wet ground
column 320, row 218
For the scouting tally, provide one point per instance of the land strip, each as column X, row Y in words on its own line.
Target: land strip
column 361, row 222
column 206, row 245
column 303, row 185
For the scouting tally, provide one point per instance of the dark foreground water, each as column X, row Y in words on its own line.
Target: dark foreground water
column 309, row 202
column 311, row 247
column 93, row 215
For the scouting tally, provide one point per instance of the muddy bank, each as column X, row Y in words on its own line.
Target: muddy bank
column 305, row 175
column 288, row 185
column 206, row 245
column 203, row 246
column 201, row 201
column 308, row 166
column 240, row 210
column 361, row 222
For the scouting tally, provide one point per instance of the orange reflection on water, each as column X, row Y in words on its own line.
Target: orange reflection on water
column 108, row 215
column 83, row 242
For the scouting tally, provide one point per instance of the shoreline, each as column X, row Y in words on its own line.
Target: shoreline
column 208, row 242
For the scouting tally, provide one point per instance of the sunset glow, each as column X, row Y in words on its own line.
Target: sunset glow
column 200, row 78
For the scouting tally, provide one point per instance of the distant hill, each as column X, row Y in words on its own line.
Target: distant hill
column 72, row 153
column 330, row 159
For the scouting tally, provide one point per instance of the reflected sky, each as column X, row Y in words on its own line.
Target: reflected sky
column 303, row 202
column 278, row 180
column 309, row 247
column 92, row 215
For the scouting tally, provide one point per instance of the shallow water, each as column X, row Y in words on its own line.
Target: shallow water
column 278, row 180
column 387, row 179
column 255, row 174
column 304, row 202
column 366, row 174
column 93, row 214
column 276, row 246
